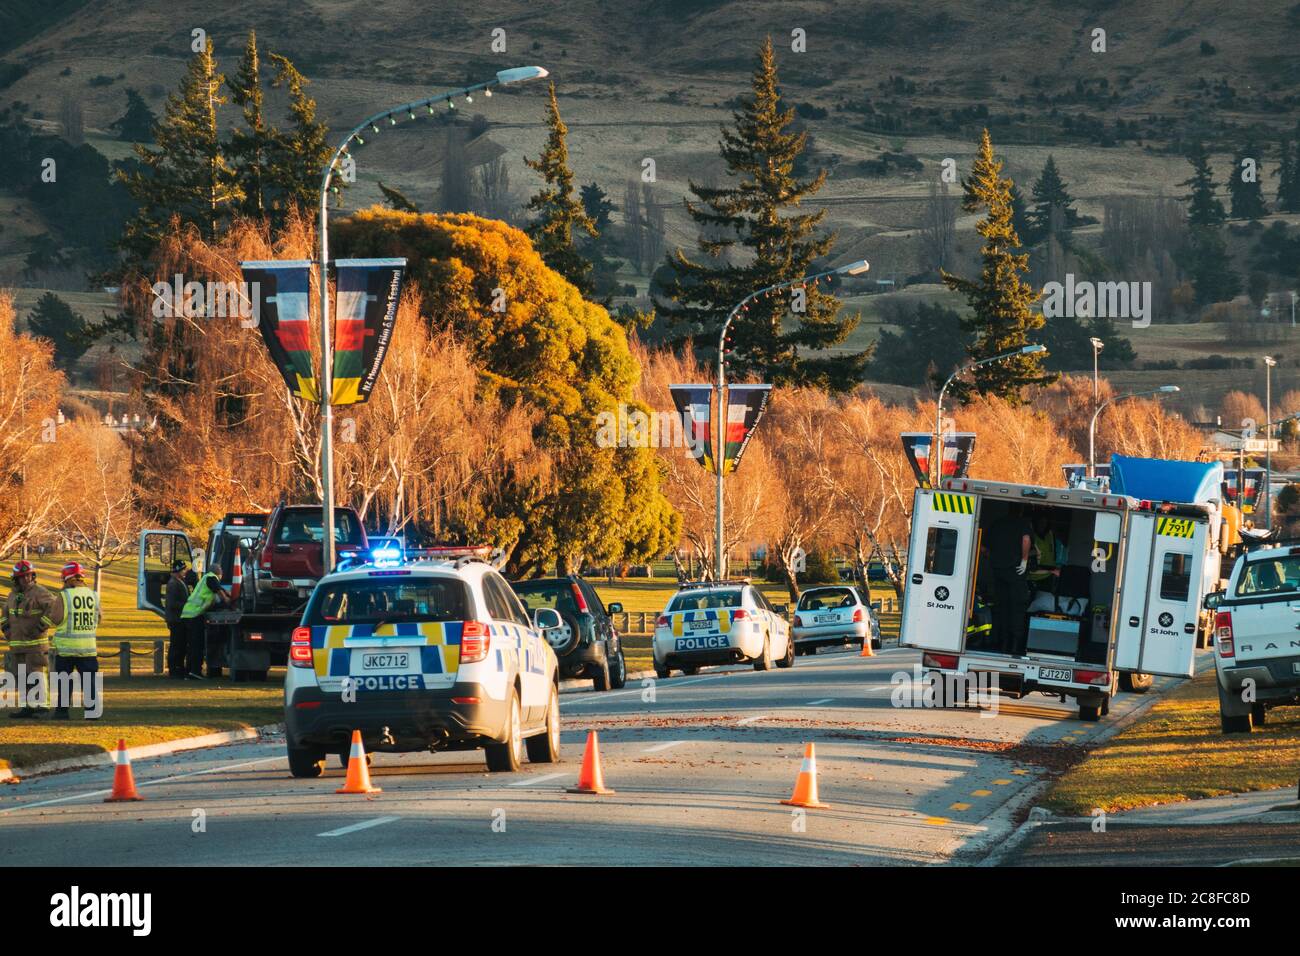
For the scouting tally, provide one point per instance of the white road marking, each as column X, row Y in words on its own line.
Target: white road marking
column 750, row 720
column 824, row 700
column 597, row 698
column 364, row 825
column 658, row 747
column 142, row 783
column 533, row 781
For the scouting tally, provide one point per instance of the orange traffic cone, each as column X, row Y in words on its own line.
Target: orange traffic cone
column 358, row 780
column 123, row 780
column 237, row 574
column 590, row 779
column 866, row 647
column 805, row 786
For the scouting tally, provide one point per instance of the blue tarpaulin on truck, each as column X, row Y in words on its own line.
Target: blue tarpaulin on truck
column 1160, row 479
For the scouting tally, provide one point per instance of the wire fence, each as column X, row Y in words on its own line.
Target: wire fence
column 139, row 657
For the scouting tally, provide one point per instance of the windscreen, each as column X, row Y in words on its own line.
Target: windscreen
column 700, row 600
column 1270, row 576
column 552, row 594
column 303, row 527
column 390, row 601
column 829, row 598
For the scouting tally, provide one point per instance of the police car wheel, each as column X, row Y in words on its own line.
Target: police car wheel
column 764, row 663
column 545, row 748
column 662, row 672
column 506, row 757
column 788, row 660
column 691, row 671
column 306, row 763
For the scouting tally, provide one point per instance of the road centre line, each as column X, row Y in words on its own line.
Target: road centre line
column 142, row 783
column 364, row 825
column 534, row 781
column 658, row 747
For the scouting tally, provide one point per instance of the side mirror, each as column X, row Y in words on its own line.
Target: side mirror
column 546, row 618
column 1213, row 599
column 783, row 609
column 616, row 609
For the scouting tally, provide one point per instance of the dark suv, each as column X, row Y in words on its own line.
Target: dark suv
column 587, row 645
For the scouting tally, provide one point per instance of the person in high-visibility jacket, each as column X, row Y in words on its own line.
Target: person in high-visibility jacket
column 206, row 594
column 1044, row 543
column 75, row 649
column 29, row 613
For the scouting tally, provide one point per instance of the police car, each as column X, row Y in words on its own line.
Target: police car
column 432, row 655
column 728, row 622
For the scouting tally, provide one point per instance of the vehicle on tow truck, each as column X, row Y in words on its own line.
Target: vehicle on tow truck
column 1126, row 596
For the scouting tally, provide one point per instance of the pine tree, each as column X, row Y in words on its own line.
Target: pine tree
column 54, row 319
column 251, row 147
column 1050, row 192
column 1244, row 185
column 1204, row 208
column 1020, row 221
column 301, row 152
column 1206, row 260
column 1000, row 299
column 1288, row 184
column 187, row 174
column 395, row 199
column 760, row 152
column 596, row 204
column 136, row 124
column 558, row 211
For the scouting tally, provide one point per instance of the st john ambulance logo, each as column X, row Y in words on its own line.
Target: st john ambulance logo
column 1166, row 619
column 941, row 593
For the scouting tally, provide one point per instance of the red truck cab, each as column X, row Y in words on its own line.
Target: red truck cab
column 288, row 557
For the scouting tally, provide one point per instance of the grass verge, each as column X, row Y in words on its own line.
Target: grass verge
column 1177, row 751
column 142, row 710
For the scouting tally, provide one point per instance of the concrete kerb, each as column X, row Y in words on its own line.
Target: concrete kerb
column 143, row 752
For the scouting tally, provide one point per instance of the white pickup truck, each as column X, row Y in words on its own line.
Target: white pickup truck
column 1257, row 637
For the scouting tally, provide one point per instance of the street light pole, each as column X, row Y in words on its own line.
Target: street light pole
column 1097, row 346
column 852, row 269
column 1092, row 425
column 1269, row 362
column 503, row 78
column 936, row 450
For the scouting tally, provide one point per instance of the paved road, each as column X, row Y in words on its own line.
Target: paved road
column 699, row 765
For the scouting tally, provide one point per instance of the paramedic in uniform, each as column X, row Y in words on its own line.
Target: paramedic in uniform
column 1009, row 541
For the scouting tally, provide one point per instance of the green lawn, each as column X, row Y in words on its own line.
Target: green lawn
column 143, row 710
column 1178, row 752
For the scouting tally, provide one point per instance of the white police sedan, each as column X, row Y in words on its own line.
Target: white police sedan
column 431, row 655
column 720, row 623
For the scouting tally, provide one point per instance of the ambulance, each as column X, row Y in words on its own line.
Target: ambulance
column 1127, row 598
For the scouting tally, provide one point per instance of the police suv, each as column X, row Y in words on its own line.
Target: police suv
column 728, row 622
column 432, row 655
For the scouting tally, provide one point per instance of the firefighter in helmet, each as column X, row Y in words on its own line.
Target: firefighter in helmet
column 30, row 611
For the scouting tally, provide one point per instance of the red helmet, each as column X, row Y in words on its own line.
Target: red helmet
column 23, row 567
column 71, row 570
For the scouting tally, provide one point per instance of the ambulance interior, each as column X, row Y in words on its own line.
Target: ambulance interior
column 1067, row 614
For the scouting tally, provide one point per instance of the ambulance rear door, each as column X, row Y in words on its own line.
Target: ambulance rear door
column 1169, row 551
column 940, row 571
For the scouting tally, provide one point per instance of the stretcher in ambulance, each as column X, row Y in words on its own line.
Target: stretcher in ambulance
column 1122, row 593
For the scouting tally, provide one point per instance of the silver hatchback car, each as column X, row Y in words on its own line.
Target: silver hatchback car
column 833, row 615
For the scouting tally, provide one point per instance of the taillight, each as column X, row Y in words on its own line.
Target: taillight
column 859, row 616
column 739, row 614
column 663, row 620
column 579, row 599
column 945, row 662
column 474, row 641
column 300, row 647
column 1223, row 633
column 797, row 622
column 1100, row 678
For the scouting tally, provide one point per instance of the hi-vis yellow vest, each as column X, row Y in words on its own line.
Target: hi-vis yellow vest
column 203, row 597
column 75, row 637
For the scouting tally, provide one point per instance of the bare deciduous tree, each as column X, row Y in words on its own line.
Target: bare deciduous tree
column 939, row 227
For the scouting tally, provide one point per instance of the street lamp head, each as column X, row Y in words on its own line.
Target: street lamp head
column 1169, row 388
column 1270, row 361
column 854, row 268
column 1033, row 349
column 1097, row 343
column 519, row 74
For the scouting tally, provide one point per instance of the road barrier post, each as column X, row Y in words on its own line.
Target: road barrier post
column 157, row 658
column 124, row 658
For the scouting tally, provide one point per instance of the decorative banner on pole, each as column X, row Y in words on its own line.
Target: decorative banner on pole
column 285, row 289
column 694, row 403
column 745, row 406
column 1256, row 489
column 958, row 449
column 368, row 292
